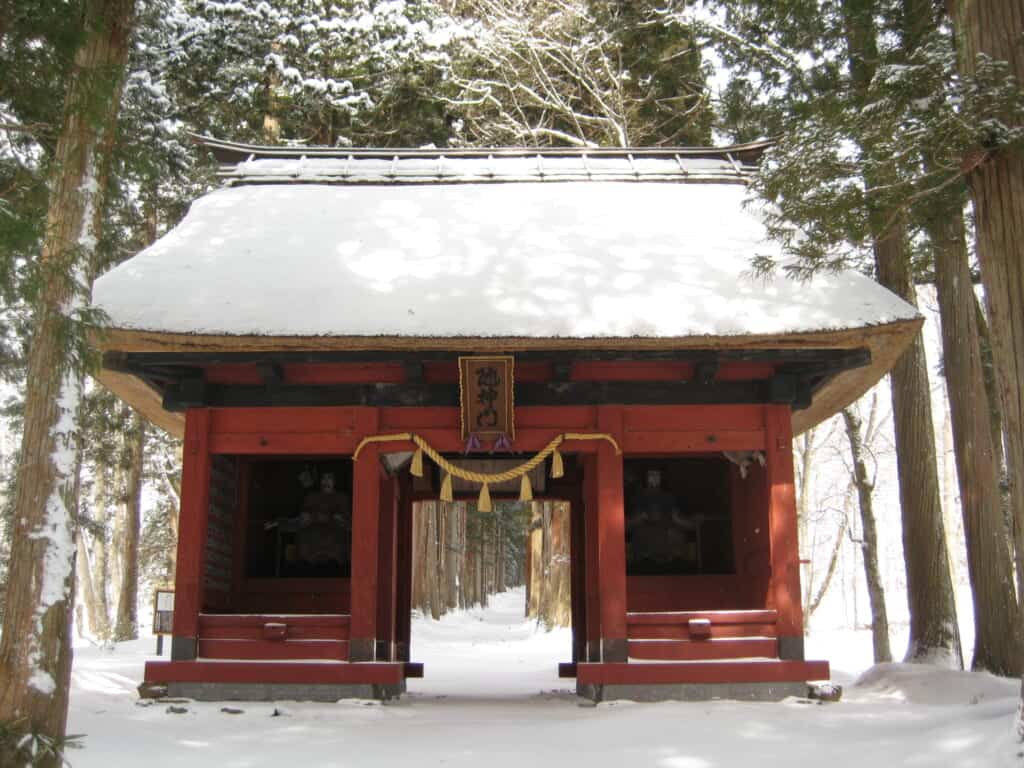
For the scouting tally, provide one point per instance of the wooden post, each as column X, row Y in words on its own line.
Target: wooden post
column 784, row 592
column 403, row 569
column 577, row 565
column 365, row 542
column 592, row 590
column 192, row 520
column 611, row 542
column 386, row 569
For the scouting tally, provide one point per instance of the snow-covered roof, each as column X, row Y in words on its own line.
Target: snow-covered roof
column 441, row 168
column 320, row 249
column 534, row 259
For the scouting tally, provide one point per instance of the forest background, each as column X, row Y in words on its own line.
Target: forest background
column 890, row 119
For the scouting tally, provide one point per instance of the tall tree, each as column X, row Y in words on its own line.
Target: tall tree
column 933, row 626
column 126, row 624
column 988, row 37
column 997, row 643
column 35, row 650
column 869, row 537
column 992, row 32
column 834, row 177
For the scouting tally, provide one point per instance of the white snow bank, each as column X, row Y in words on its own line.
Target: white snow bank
column 927, row 684
column 544, row 259
column 491, row 697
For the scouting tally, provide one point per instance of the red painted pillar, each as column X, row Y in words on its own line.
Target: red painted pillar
column 403, row 569
column 192, row 520
column 611, row 540
column 386, row 569
column 365, row 542
column 592, row 590
column 784, row 590
column 577, row 575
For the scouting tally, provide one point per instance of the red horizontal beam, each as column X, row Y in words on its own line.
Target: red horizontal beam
column 334, row 650
column 256, row 633
column 715, row 617
column 701, row 672
column 682, row 631
column 439, row 372
column 258, row 620
column 298, row 672
column 712, row 440
column 676, row 418
column 662, row 370
column 676, row 650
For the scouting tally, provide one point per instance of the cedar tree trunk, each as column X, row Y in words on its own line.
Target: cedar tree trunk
column 997, row 644
column 35, row 650
column 126, row 627
column 934, row 634
column 995, row 28
column 869, row 539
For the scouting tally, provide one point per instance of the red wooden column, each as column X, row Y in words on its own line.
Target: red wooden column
column 403, row 569
column 611, row 537
column 577, row 575
column 365, row 542
column 784, row 590
column 386, row 568
column 192, row 519
column 592, row 590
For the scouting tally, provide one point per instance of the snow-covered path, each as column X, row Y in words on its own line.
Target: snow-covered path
column 492, row 698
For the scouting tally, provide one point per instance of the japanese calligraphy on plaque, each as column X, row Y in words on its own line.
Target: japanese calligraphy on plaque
column 485, row 386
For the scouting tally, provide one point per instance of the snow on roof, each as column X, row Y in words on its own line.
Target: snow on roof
column 535, row 259
column 523, row 167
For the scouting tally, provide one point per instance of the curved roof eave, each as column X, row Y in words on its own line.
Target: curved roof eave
column 886, row 343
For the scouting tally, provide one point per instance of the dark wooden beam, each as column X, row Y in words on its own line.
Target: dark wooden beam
column 137, row 360
column 271, row 372
column 413, row 371
column 189, row 393
column 197, row 393
column 180, row 377
column 707, row 370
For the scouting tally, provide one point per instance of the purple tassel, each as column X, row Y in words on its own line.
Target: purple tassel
column 473, row 443
column 502, row 444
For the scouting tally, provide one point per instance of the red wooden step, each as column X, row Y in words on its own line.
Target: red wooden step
column 259, row 619
column 701, row 672
column 283, row 672
column 272, row 649
column 682, row 631
column 683, row 650
column 715, row 617
column 254, row 626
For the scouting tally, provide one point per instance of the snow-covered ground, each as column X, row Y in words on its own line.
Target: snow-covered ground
column 491, row 698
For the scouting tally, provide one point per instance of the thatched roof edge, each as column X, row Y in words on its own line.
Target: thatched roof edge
column 886, row 342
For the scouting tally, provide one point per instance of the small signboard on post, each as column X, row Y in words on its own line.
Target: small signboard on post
column 163, row 616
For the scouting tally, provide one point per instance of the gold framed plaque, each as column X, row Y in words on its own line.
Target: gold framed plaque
column 486, row 397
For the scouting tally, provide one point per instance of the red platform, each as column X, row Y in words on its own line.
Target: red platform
column 702, row 672
column 297, row 672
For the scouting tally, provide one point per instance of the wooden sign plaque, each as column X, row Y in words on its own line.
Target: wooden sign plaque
column 485, row 389
column 163, row 611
